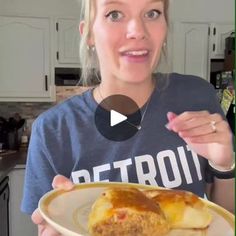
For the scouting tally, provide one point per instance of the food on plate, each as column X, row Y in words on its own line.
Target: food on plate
column 183, row 210
column 128, row 212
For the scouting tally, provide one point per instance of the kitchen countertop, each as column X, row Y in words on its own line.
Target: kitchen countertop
column 11, row 161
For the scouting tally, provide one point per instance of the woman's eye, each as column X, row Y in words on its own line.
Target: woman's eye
column 153, row 14
column 114, row 15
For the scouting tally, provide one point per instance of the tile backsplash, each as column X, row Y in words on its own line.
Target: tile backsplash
column 26, row 110
column 30, row 110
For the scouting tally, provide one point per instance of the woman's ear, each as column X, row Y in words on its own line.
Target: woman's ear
column 90, row 40
column 81, row 27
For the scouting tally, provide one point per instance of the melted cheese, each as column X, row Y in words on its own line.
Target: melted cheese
column 182, row 209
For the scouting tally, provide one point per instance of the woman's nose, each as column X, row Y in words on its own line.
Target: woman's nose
column 136, row 29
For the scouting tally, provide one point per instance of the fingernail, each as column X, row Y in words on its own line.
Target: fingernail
column 171, row 115
column 168, row 126
column 65, row 186
column 68, row 186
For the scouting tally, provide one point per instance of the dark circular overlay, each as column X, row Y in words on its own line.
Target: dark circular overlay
column 123, row 130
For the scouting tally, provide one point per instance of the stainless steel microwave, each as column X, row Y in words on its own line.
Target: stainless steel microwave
column 67, row 76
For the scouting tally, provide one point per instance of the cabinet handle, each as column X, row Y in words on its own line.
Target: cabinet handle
column 8, row 191
column 58, row 56
column 46, row 82
column 214, row 31
column 214, row 47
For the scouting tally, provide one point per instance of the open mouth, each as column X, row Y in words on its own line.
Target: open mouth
column 138, row 56
column 136, row 53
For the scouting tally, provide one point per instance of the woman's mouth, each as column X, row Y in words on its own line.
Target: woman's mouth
column 137, row 56
column 136, row 53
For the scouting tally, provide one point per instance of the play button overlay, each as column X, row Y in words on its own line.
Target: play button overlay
column 117, row 118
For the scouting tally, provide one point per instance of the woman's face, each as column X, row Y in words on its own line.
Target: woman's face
column 128, row 36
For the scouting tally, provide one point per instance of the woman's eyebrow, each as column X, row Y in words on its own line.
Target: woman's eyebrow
column 109, row 2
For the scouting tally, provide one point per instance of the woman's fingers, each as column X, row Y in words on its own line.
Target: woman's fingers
column 61, row 182
column 37, row 218
column 194, row 120
column 200, row 127
column 209, row 135
column 43, row 228
column 187, row 120
column 47, row 230
column 204, row 129
column 171, row 115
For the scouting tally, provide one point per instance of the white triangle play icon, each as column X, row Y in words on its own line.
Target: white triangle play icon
column 116, row 118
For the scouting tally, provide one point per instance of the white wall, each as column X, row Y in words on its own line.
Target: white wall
column 202, row 10
column 40, row 7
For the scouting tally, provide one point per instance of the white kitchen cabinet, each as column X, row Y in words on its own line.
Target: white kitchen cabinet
column 195, row 44
column 25, row 73
column 191, row 49
column 67, row 42
column 218, row 34
column 20, row 224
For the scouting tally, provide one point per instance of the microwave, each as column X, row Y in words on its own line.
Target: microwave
column 67, row 76
column 72, row 77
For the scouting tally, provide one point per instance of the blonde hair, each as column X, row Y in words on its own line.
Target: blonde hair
column 90, row 74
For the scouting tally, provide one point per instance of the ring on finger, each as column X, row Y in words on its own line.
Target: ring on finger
column 213, row 126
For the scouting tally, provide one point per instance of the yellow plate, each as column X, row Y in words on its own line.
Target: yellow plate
column 68, row 211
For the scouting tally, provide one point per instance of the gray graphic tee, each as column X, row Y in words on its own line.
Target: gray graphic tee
column 65, row 141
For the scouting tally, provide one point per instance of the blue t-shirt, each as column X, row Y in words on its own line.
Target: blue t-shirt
column 66, row 141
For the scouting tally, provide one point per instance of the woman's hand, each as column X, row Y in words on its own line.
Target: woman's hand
column 59, row 182
column 209, row 135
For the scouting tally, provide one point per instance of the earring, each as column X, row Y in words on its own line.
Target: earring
column 164, row 44
column 91, row 48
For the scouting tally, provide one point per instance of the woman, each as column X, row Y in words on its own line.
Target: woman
column 184, row 142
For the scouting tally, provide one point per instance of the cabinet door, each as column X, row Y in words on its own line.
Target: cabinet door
column 190, row 49
column 219, row 32
column 20, row 224
column 68, row 39
column 24, row 58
